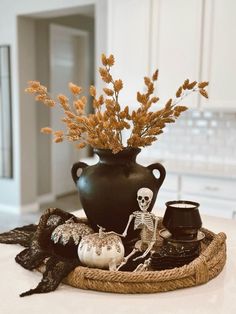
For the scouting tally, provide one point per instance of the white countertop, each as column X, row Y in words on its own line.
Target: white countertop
column 217, row 296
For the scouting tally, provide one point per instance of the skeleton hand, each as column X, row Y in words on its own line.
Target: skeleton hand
column 124, row 234
column 118, row 234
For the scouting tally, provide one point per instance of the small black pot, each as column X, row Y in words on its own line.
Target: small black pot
column 182, row 219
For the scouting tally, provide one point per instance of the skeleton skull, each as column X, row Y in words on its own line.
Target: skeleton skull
column 144, row 198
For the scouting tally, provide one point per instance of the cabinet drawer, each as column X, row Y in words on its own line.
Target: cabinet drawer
column 224, row 188
column 214, row 207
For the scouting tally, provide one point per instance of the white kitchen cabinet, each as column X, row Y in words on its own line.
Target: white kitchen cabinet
column 148, row 34
column 169, row 191
column 196, row 39
column 176, row 45
column 218, row 53
column 216, row 196
column 163, row 197
column 129, row 41
column 209, row 187
column 213, row 207
column 171, row 182
column 192, row 39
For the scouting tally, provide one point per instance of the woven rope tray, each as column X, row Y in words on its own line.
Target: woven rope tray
column 204, row 268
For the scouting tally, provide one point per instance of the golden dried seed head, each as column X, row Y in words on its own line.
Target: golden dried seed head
column 185, row 85
column 103, row 71
column 192, row 85
column 180, row 108
column 92, row 91
column 155, row 75
column 69, row 114
column 108, row 91
column 34, row 84
column 204, row 93
column 104, row 59
column 147, row 80
column 107, row 78
column 84, row 100
column 179, row 92
column 75, row 89
column 118, row 85
column 62, row 99
column 81, row 145
column 58, row 139
column 79, row 105
column 203, row 84
column 111, row 60
column 46, row 130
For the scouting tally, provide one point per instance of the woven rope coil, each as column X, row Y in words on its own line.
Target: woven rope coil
column 204, row 268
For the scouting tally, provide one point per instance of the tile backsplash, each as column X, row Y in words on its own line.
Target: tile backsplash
column 199, row 136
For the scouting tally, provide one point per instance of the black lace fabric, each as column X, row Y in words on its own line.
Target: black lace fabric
column 39, row 248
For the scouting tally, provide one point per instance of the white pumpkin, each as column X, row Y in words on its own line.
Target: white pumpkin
column 101, row 250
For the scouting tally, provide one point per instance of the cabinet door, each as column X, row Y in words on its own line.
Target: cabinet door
column 129, row 41
column 176, row 45
column 219, row 51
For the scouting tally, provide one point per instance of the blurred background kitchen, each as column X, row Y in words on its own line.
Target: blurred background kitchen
column 56, row 42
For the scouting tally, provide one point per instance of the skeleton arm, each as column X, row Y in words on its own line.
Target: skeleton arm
column 155, row 228
column 124, row 234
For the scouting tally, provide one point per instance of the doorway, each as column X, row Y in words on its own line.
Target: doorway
column 62, row 50
column 69, row 62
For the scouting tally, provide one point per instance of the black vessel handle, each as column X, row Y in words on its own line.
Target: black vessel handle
column 161, row 169
column 74, row 169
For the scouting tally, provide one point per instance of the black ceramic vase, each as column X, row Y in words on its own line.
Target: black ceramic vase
column 108, row 190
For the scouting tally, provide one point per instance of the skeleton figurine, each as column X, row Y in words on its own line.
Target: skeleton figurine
column 145, row 221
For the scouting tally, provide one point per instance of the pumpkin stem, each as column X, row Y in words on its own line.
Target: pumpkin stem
column 100, row 232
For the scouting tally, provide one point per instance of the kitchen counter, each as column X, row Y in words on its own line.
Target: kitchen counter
column 217, row 296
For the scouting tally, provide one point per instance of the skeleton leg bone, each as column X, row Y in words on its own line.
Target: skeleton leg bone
column 125, row 260
column 150, row 246
column 143, row 266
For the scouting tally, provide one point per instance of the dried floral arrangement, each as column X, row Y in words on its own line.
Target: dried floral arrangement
column 103, row 128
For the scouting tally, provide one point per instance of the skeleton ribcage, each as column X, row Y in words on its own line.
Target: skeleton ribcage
column 143, row 219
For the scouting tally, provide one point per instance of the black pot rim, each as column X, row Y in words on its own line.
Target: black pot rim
column 126, row 151
column 171, row 203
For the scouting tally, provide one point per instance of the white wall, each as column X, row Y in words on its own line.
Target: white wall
column 19, row 194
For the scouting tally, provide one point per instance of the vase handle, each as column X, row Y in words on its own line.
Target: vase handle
column 161, row 169
column 74, row 169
